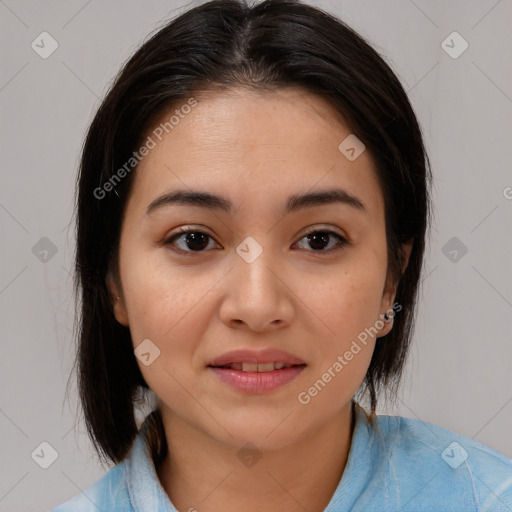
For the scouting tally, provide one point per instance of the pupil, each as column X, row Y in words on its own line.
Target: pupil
column 196, row 238
column 321, row 237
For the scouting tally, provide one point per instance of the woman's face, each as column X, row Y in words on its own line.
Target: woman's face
column 249, row 278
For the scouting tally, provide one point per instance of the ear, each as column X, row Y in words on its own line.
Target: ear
column 118, row 305
column 407, row 248
column 388, row 295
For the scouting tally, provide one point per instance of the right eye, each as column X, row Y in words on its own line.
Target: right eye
column 192, row 239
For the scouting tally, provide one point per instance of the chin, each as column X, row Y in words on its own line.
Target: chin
column 267, row 434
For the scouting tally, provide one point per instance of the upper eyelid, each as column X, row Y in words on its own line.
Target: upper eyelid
column 308, row 231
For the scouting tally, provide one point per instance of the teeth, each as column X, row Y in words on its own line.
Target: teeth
column 262, row 367
column 268, row 367
column 255, row 367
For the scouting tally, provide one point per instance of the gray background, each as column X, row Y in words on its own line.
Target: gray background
column 458, row 375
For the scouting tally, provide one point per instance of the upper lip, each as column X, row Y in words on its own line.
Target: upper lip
column 269, row 355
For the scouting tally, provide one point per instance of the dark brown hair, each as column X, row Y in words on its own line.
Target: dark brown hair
column 226, row 44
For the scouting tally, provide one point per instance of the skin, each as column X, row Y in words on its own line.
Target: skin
column 255, row 149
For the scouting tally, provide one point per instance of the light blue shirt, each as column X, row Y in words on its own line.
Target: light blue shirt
column 396, row 464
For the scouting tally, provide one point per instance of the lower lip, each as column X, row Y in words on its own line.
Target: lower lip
column 257, row 382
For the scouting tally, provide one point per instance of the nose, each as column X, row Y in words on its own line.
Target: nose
column 258, row 294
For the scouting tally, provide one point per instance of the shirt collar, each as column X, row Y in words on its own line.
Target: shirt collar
column 367, row 468
column 144, row 487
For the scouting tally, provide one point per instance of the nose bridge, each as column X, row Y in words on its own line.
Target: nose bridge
column 255, row 294
column 256, row 266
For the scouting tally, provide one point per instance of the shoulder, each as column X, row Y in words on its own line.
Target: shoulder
column 414, row 436
column 443, row 466
column 131, row 485
column 110, row 492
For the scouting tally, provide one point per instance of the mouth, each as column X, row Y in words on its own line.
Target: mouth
column 256, row 361
column 254, row 381
column 256, row 367
column 252, row 372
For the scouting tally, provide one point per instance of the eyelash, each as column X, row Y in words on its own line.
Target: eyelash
column 343, row 241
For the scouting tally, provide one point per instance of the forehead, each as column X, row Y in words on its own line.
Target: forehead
column 243, row 144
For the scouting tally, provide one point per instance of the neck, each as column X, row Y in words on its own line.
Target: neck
column 209, row 477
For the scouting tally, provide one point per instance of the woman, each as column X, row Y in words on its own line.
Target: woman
column 253, row 204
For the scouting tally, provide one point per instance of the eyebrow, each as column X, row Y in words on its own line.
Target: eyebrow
column 294, row 202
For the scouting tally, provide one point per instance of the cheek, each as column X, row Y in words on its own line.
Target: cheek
column 346, row 302
column 162, row 300
column 165, row 306
column 336, row 383
column 348, row 309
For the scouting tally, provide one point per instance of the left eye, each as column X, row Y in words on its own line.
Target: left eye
column 197, row 241
column 319, row 238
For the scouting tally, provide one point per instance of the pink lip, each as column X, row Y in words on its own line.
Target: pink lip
column 269, row 355
column 257, row 382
